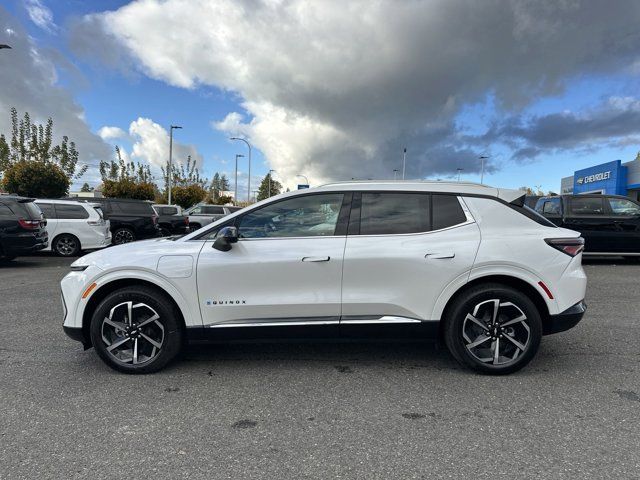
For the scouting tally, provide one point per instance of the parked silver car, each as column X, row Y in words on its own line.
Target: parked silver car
column 203, row 214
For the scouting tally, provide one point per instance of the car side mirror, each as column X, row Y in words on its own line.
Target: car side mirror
column 226, row 237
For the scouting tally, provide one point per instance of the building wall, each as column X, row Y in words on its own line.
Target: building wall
column 608, row 178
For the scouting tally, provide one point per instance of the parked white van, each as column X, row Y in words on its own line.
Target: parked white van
column 74, row 226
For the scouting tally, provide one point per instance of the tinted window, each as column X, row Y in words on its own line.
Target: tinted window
column 587, row 206
column 234, row 209
column 32, row 210
column 394, row 213
column 133, row 208
column 551, row 207
column 212, row 210
column 620, row 206
column 5, row 211
column 71, row 212
column 167, row 210
column 447, row 211
column 47, row 209
column 308, row 216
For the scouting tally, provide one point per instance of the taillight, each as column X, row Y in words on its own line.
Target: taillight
column 95, row 223
column 29, row 224
column 570, row 246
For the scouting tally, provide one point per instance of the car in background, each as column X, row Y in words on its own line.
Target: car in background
column 22, row 227
column 74, row 227
column 203, row 214
column 609, row 224
column 130, row 220
column 416, row 260
column 171, row 220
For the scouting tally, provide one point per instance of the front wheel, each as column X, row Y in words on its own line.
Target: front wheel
column 493, row 329
column 136, row 330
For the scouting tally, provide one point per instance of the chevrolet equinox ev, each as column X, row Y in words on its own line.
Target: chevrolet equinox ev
column 467, row 264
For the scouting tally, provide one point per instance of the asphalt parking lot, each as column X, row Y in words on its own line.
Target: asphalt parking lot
column 318, row 410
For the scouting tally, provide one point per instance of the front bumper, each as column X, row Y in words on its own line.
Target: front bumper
column 77, row 334
column 565, row 320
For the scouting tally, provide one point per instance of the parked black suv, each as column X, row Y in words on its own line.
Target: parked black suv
column 131, row 220
column 610, row 224
column 22, row 227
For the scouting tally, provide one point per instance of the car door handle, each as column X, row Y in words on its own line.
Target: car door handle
column 316, row 259
column 440, row 255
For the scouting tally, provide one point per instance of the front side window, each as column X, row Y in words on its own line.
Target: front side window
column 71, row 212
column 620, row 206
column 587, row 206
column 212, row 210
column 307, row 216
column 551, row 207
column 394, row 213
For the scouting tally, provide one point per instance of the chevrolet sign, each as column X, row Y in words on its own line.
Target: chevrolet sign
column 594, row 178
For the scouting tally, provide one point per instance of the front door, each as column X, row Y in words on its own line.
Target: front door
column 588, row 215
column 626, row 218
column 284, row 271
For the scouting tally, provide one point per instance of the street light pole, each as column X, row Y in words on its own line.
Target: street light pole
column 404, row 161
column 170, row 170
column 235, row 198
column 459, row 170
column 249, row 176
column 395, row 173
column 482, row 158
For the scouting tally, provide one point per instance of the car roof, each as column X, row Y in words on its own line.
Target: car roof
column 63, row 202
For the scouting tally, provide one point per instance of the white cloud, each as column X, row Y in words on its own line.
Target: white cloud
column 336, row 89
column 40, row 14
column 110, row 133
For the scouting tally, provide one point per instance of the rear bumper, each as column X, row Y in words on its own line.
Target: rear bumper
column 24, row 244
column 565, row 320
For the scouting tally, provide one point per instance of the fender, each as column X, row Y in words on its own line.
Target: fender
column 502, row 269
column 191, row 315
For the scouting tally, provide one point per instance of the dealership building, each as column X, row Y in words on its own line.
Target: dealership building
column 615, row 178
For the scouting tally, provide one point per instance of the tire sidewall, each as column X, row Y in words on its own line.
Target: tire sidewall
column 466, row 303
column 168, row 317
column 115, row 235
column 75, row 252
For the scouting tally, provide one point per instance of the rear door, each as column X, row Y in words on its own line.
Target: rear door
column 588, row 215
column 72, row 219
column 402, row 250
column 626, row 219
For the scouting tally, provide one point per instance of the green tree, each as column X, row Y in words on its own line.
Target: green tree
column 36, row 179
column 86, row 187
column 31, row 142
column 188, row 195
column 184, row 175
column 126, row 179
column 268, row 187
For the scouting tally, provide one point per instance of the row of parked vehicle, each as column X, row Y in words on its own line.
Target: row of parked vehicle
column 70, row 226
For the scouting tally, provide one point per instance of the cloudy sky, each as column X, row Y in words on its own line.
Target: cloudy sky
column 334, row 90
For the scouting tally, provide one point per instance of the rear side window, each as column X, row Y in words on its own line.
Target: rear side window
column 212, row 210
column 48, row 210
column 447, row 211
column 71, row 212
column 133, row 208
column 586, row 205
column 234, row 209
column 167, row 210
column 394, row 213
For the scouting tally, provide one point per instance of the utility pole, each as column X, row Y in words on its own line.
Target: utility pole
column 482, row 159
column 459, row 170
column 249, row 176
column 404, row 161
column 235, row 198
column 270, row 171
column 170, row 170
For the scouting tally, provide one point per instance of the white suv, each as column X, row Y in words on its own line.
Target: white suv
column 73, row 226
column 465, row 262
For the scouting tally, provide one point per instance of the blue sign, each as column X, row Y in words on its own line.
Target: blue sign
column 302, row 186
column 608, row 178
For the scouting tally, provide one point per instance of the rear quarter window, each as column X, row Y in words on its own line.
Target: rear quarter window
column 447, row 211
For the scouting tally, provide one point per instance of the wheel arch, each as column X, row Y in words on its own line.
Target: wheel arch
column 111, row 286
column 510, row 281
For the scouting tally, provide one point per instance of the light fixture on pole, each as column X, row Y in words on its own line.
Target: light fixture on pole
column 459, row 170
column 270, row 172
column 170, row 169
column 482, row 159
column 249, row 175
column 305, row 179
column 404, row 161
column 235, row 198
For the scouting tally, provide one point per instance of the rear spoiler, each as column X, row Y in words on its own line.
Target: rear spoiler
column 513, row 197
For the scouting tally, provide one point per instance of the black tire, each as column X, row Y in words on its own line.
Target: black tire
column 194, row 226
column 481, row 302
column 133, row 338
column 66, row 245
column 165, row 232
column 123, row 235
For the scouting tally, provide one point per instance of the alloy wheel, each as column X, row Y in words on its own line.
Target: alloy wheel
column 496, row 332
column 132, row 333
column 123, row 236
column 66, row 246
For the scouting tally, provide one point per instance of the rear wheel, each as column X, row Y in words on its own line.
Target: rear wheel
column 66, row 245
column 136, row 330
column 123, row 235
column 493, row 329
